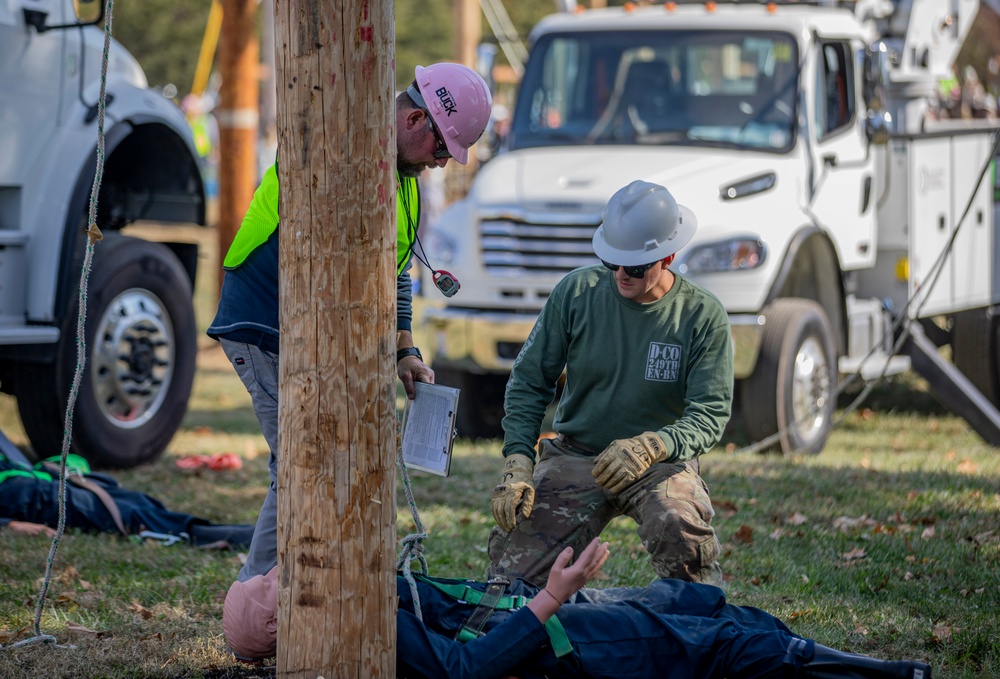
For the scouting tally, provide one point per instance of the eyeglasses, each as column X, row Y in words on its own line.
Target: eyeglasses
column 442, row 149
column 632, row 271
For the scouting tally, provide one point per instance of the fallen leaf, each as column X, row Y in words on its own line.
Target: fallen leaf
column 845, row 523
column 744, row 535
column 141, row 610
column 941, row 633
column 967, row 467
column 724, row 507
column 84, row 631
column 777, row 534
column 856, row 553
column 798, row 614
column 796, row 519
column 927, row 533
column 866, row 463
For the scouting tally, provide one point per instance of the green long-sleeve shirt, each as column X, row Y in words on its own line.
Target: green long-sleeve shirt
column 666, row 366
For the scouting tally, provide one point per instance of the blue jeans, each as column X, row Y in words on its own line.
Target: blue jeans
column 258, row 369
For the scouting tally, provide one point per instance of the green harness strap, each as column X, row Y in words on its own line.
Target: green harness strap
column 460, row 592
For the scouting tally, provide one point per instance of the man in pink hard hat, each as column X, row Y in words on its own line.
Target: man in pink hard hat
column 438, row 117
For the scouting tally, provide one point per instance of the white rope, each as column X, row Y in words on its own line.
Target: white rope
column 94, row 235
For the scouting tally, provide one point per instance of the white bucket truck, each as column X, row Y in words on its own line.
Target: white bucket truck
column 800, row 136
column 141, row 334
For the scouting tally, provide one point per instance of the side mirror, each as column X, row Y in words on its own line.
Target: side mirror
column 88, row 11
column 878, row 122
column 878, row 127
column 36, row 14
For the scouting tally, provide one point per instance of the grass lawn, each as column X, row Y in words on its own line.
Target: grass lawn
column 887, row 543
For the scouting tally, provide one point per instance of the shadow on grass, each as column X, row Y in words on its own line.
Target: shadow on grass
column 239, row 673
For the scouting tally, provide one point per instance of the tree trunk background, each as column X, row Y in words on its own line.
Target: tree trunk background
column 337, row 418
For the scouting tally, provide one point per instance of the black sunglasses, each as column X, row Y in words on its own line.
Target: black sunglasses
column 441, row 152
column 632, row 271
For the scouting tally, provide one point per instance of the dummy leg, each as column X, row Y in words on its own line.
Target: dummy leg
column 828, row 663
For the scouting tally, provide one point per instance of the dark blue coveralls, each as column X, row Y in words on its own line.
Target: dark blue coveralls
column 670, row 629
column 33, row 498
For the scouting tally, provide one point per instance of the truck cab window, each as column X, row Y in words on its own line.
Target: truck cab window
column 649, row 88
column 834, row 105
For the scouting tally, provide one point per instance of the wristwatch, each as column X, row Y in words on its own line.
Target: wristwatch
column 408, row 351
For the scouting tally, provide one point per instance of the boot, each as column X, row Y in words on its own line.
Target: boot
column 828, row 663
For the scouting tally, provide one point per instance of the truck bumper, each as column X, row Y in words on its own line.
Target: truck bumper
column 489, row 341
column 747, row 331
column 478, row 341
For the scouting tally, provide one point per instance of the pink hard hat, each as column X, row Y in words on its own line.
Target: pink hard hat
column 459, row 103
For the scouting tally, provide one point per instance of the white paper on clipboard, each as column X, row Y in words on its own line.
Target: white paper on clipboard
column 429, row 428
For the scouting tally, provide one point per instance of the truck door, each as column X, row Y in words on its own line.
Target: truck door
column 31, row 80
column 843, row 196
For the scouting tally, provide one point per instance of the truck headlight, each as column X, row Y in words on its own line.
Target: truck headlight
column 439, row 248
column 737, row 254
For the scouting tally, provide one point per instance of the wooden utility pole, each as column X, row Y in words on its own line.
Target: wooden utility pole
column 239, row 54
column 468, row 30
column 468, row 20
column 337, row 415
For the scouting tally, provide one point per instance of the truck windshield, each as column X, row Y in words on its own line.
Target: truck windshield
column 692, row 88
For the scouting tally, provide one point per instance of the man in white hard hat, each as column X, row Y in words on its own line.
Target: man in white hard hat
column 649, row 385
column 440, row 116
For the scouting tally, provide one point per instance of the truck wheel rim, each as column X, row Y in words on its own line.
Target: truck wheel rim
column 133, row 358
column 810, row 389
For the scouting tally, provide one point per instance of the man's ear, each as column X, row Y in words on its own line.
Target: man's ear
column 413, row 118
column 667, row 261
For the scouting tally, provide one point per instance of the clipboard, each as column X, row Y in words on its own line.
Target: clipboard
column 429, row 428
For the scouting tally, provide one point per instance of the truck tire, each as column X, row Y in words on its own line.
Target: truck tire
column 794, row 373
column 975, row 350
column 141, row 350
column 480, row 405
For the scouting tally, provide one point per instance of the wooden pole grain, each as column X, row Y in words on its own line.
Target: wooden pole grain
column 337, row 413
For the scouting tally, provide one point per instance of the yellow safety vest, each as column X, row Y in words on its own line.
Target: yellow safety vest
column 261, row 219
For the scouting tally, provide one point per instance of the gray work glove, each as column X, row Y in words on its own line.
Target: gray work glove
column 515, row 492
column 625, row 460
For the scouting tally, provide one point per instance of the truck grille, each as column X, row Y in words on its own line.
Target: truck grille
column 537, row 244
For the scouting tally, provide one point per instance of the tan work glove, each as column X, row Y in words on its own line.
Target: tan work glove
column 625, row 460
column 515, row 492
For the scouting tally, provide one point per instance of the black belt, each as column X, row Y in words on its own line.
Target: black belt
column 571, row 442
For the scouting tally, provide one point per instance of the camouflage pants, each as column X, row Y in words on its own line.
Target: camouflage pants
column 669, row 503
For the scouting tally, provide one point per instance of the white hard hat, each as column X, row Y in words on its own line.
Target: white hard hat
column 642, row 224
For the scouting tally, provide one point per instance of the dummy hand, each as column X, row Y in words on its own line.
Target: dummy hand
column 30, row 529
column 411, row 369
column 625, row 460
column 516, row 491
column 566, row 580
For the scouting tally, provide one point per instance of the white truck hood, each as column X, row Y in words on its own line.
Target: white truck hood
column 584, row 178
column 560, row 181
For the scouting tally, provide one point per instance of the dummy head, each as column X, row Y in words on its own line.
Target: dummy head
column 250, row 616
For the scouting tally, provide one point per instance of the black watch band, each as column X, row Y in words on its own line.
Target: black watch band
column 408, row 351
